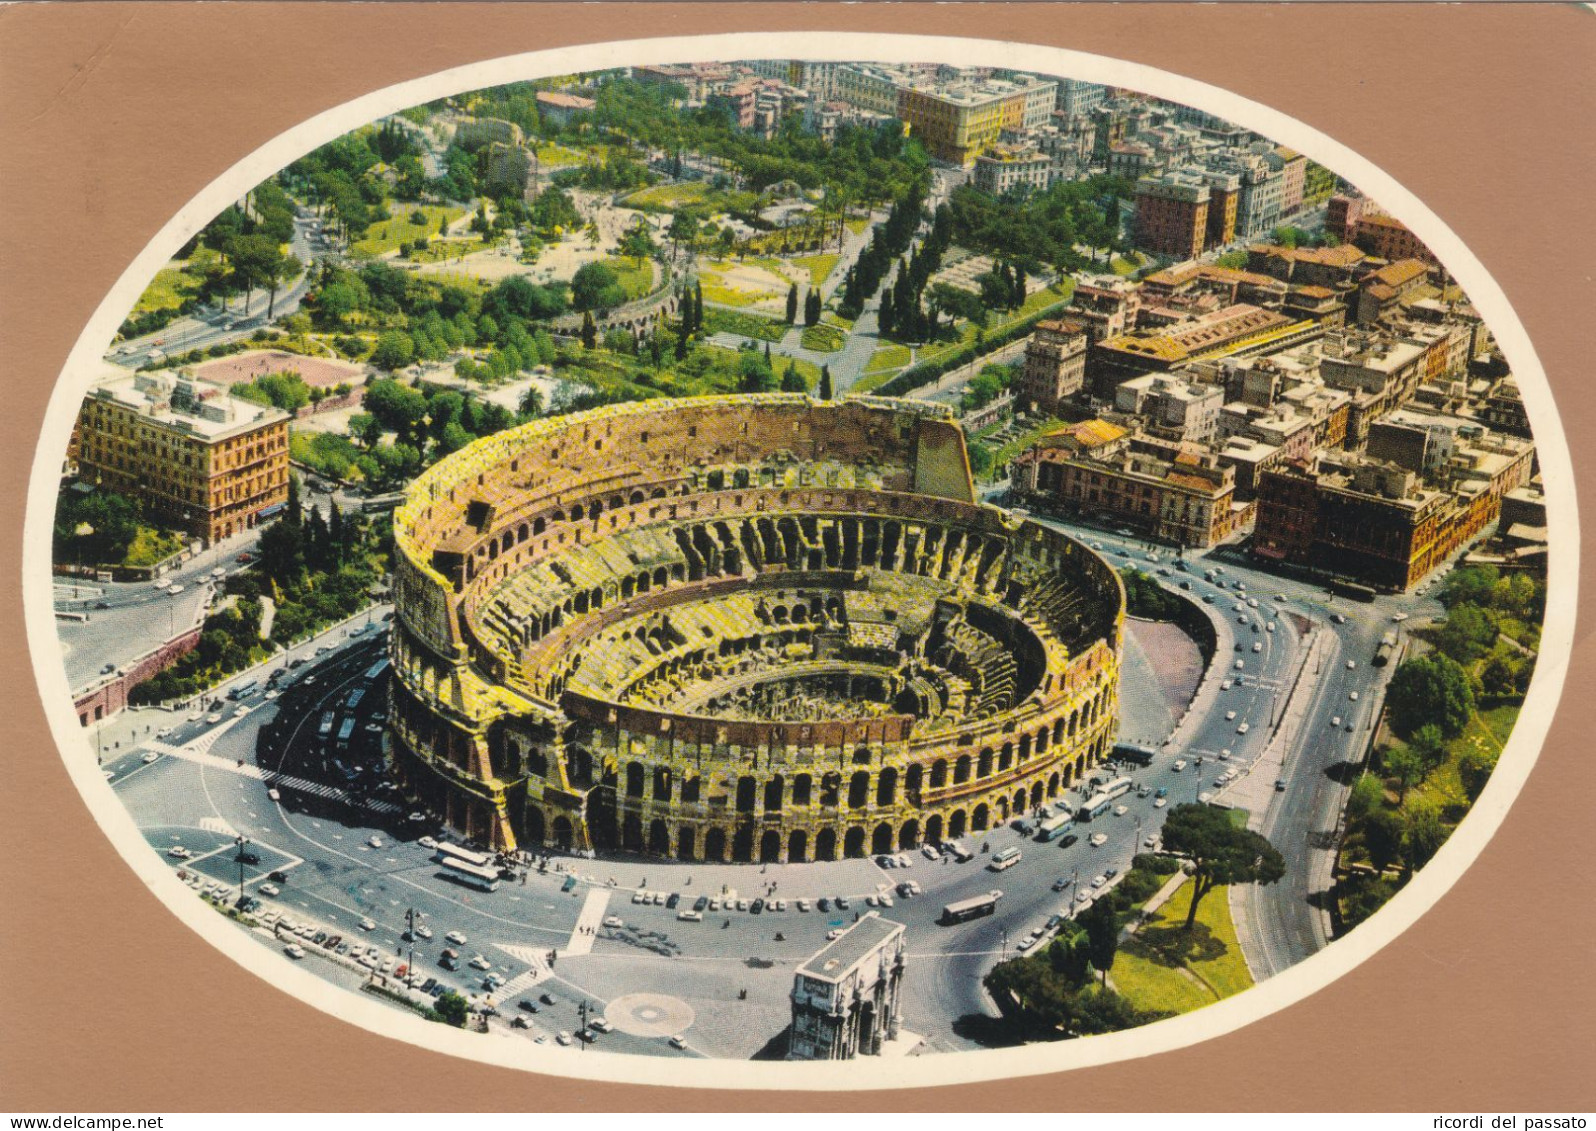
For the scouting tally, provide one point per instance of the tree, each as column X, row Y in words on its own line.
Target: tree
column 1405, row 765
column 1423, row 833
column 532, row 402
column 825, row 383
column 589, row 330
column 365, row 428
column 395, row 350
column 1368, row 794
column 1430, row 689
column 638, row 241
column 812, row 307
column 452, row 1008
column 596, row 287
column 1428, row 745
column 1382, row 837
column 1102, row 936
column 1467, row 635
column 792, row 381
column 792, row 304
column 1221, row 852
column 278, row 272
column 1474, row 769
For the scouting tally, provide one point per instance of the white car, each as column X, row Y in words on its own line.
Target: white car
column 1353, row 696
column 1243, row 728
column 1099, row 881
column 1026, row 943
column 1204, row 798
column 178, row 852
column 1257, row 646
column 640, row 896
column 929, row 851
column 779, row 905
column 270, row 889
column 884, row 899
column 271, row 693
column 1160, row 802
column 273, row 795
column 1121, row 810
column 375, row 841
column 1270, row 627
column 1099, row 839
column 423, row 931
column 688, row 915
column 456, row 937
column 678, row 1042
column 174, row 590
column 427, row 842
column 163, row 583
column 1227, row 685
column 612, row 920
column 1399, row 617
column 563, row 1037
column 241, row 712
column 1180, row 764
column 1230, row 716
column 1351, row 664
column 150, row 756
column 294, row 951
column 479, row 963
column 1252, row 602
column 213, row 719
column 1336, row 721
column 1240, row 665
column 802, row 904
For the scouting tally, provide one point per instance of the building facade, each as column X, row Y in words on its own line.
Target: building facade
column 201, row 460
column 1172, row 215
column 1055, row 366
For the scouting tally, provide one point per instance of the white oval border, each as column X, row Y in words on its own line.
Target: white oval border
column 1426, row 887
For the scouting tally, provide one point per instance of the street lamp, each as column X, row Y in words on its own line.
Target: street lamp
column 1197, row 785
column 240, row 841
column 82, row 531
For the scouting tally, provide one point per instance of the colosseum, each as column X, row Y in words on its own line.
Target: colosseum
column 752, row 628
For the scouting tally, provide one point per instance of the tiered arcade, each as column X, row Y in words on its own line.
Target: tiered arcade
column 751, row 628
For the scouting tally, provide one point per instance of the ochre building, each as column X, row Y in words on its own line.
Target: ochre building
column 740, row 628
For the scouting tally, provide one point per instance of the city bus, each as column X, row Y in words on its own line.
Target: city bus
column 354, row 698
column 1353, row 590
column 1134, row 752
column 973, row 908
column 327, row 720
column 472, row 875
column 1055, row 826
column 1004, row 858
column 1098, row 803
column 346, row 730
column 448, row 852
column 376, row 670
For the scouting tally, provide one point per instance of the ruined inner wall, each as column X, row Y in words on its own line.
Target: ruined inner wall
column 596, row 611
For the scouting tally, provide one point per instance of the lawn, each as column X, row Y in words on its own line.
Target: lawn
column 825, row 338
column 1487, row 730
column 168, row 290
column 748, row 325
column 636, row 280
column 888, row 358
column 727, row 296
column 1024, row 440
column 150, row 546
column 856, row 225
column 551, row 154
column 818, row 266
column 1161, row 948
column 668, row 198
column 386, row 235
column 1121, row 265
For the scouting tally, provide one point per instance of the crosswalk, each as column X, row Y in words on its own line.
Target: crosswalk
column 537, row 968
column 587, row 923
column 201, row 756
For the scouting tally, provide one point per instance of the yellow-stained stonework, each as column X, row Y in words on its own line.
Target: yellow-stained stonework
column 740, row 628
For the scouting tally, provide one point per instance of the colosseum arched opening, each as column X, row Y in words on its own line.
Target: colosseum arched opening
column 750, row 629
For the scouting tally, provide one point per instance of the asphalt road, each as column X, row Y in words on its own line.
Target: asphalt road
column 332, row 801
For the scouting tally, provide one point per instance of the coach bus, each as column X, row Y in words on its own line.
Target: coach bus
column 1055, row 826
column 973, row 908
column 447, row 852
column 472, row 875
column 1098, row 803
